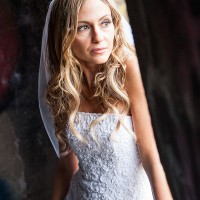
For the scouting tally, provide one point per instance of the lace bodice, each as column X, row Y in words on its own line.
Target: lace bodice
column 110, row 169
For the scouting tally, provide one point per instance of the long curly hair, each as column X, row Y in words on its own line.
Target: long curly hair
column 66, row 76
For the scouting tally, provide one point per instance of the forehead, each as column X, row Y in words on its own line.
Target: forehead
column 93, row 9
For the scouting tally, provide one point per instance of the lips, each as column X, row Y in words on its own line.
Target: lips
column 98, row 50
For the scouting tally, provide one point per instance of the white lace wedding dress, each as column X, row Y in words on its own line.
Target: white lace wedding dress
column 111, row 170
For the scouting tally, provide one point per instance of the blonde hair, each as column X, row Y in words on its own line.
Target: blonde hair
column 65, row 85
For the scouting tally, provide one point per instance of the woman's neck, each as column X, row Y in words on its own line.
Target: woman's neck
column 90, row 72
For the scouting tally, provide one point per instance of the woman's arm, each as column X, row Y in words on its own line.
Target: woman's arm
column 144, row 131
column 66, row 167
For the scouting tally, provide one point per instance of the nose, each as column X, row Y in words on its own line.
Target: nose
column 97, row 35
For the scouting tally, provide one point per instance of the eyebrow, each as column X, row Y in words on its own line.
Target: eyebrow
column 98, row 20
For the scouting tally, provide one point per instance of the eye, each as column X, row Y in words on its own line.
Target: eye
column 106, row 22
column 83, row 27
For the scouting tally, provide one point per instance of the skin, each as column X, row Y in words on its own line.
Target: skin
column 94, row 32
column 66, row 167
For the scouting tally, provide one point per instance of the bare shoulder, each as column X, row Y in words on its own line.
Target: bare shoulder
column 133, row 83
column 132, row 66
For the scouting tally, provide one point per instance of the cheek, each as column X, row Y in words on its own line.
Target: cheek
column 111, row 36
column 111, row 41
column 81, row 42
column 79, row 48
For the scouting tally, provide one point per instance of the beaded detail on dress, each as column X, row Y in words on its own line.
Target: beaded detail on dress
column 111, row 169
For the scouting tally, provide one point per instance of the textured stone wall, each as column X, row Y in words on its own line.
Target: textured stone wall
column 27, row 159
column 167, row 38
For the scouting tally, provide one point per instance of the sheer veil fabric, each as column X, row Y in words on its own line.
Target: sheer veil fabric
column 44, row 77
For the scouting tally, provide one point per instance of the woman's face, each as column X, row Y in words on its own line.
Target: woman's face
column 95, row 34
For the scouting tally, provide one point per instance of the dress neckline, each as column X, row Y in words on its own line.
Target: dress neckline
column 99, row 114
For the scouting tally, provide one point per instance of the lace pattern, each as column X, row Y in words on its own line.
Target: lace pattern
column 111, row 169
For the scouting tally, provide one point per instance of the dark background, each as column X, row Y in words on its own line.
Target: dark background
column 27, row 159
column 167, row 38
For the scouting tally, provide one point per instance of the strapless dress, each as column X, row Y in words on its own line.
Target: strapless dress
column 110, row 169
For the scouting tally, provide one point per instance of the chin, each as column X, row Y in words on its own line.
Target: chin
column 101, row 60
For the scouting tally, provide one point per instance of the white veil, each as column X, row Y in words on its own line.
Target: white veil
column 44, row 77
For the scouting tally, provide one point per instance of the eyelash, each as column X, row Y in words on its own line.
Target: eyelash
column 105, row 22
column 84, row 26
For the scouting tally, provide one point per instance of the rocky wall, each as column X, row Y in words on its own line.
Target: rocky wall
column 27, row 160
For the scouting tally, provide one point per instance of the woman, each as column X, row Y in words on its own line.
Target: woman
column 95, row 93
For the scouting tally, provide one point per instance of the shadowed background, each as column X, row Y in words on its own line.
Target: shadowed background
column 167, row 38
